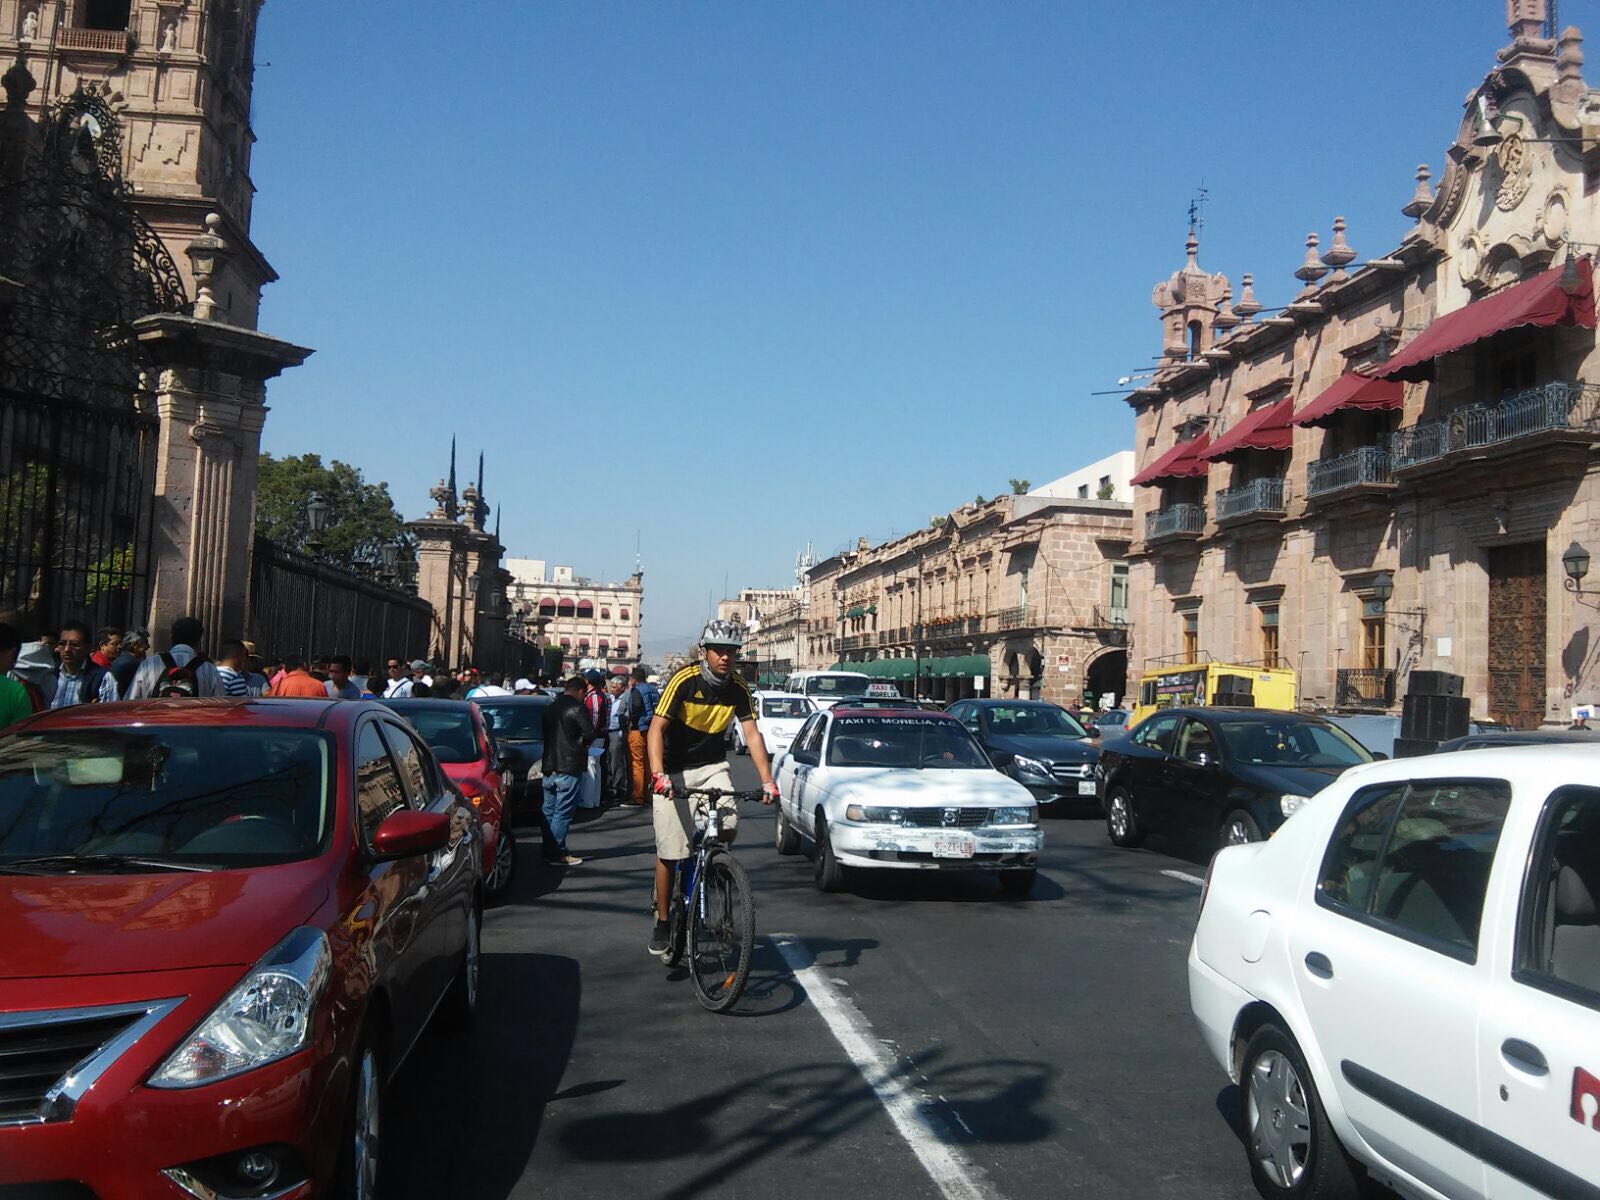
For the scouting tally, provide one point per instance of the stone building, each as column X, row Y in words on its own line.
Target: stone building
column 774, row 646
column 1021, row 596
column 1386, row 473
column 593, row 623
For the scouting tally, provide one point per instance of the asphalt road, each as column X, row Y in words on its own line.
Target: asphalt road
column 1046, row 1045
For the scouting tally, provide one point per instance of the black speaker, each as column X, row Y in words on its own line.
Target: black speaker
column 1234, row 700
column 1405, row 747
column 1435, row 718
column 1434, row 683
column 1238, row 685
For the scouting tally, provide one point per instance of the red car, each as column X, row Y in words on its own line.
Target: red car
column 226, row 923
column 460, row 740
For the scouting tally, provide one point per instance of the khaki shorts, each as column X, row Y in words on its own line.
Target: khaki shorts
column 673, row 820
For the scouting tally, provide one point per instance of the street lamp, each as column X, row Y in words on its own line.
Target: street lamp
column 1382, row 588
column 316, row 522
column 472, row 587
column 1576, row 564
column 390, row 553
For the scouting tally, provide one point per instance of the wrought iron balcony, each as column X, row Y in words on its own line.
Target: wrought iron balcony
column 1367, row 688
column 855, row 641
column 1550, row 408
column 1366, row 467
column 1023, row 616
column 1176, row 520
column 1259, row 497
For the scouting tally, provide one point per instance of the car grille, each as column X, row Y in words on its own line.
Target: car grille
column 1067, row 772
column 49, row 1059
column 934, row 818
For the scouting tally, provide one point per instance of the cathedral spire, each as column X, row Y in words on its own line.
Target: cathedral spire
column 452, row 464
column 480, row 472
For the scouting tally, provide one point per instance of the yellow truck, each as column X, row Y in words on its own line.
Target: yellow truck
column 1230, row 685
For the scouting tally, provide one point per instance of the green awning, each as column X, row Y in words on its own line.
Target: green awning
column 856, row 611
column 958, row 665
column 900, row 668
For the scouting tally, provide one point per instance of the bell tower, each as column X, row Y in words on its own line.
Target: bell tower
column 1190, row 302
column 179, row 75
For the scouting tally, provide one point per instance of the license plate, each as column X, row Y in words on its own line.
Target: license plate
column 1086, row 787
column 951, row 845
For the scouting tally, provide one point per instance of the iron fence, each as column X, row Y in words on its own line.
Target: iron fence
column 1257, row 496
column 299, row 606
column 1364, row 688
column 1551, row 406
column 1175, row 519
column 1367, row 465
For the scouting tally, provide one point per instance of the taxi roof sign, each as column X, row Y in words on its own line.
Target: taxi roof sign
column 882, row 689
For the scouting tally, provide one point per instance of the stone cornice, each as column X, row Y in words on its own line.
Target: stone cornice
column 168, row 339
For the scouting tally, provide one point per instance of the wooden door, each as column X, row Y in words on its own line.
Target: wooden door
column 1516, row 634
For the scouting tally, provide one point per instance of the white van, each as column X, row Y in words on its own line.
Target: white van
column 824, row 688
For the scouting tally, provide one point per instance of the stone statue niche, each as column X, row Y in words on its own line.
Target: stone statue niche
column 30, row 25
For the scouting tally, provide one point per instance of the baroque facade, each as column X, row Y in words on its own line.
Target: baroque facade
column 1022, row 596
column 594, row 624
column 1386, row 474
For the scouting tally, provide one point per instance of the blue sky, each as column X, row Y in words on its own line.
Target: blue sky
column 735, row 277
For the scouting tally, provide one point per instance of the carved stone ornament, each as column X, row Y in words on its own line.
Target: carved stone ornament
column 203, row 433
column 1516, row 172
column 1553, row 221
column 1470, row 258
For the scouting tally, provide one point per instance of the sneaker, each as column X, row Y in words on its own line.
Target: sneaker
column 658, row 940
column 564, row 860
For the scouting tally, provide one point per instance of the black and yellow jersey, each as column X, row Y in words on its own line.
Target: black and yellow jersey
column 699, row 715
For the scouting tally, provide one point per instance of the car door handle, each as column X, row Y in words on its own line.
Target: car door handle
column 1528, row 1059
column 1319, row 965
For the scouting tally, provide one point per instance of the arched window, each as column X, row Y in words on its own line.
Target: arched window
column 622, row 647
column 1194, row 339
column 547, row 607
column 604, row 644
column 605, row 614
column 583, row 643
column 585, row 608
column 624, row 614
column 565, row 608
column 566, row 643
column 106, row 14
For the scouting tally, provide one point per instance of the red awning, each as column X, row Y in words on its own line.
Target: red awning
column 1539, row 301
column 1353, row 390
column 1180, row 462
column 1266, row 428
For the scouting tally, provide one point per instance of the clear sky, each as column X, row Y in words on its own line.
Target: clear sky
column 734, row 277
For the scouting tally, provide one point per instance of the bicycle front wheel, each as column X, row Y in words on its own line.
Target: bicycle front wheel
column 722, row 933
column 675, row 921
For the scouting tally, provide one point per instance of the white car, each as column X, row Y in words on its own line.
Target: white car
column 904, row 789
column 779, row 716
column 1405, row 981
column 825, row 688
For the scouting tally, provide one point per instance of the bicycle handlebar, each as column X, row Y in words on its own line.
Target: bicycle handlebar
column 715, row 794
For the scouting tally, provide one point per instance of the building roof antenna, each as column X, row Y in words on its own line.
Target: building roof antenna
column 1197, row 209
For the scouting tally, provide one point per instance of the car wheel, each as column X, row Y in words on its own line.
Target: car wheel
column 505, row 863
column 784, row 839
column 1239, row 829
column 829, row 870
column 461, row 1003
column 360, row 1160
column 1294, row 1153
column 1018, row 883
column 1122, row 822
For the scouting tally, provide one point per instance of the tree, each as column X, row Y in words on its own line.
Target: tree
column 1019, row 487
column 1107, row 490
column 361, row 515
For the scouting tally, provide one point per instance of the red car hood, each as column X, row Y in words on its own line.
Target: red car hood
column 59, row 925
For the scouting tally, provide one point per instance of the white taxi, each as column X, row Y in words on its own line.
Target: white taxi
column 779, row 716
column 1405, row 981
column 906, row 789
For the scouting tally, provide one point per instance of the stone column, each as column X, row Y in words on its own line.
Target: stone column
column 438, row 581
column 208, row 387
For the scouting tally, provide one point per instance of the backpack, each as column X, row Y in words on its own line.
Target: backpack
column 179, row 682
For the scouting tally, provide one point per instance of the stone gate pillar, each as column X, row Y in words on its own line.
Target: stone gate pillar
column 207, row 385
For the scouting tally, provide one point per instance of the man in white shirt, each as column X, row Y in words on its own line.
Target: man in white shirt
column 491, row 687
column 186, row 634
column 398, row 686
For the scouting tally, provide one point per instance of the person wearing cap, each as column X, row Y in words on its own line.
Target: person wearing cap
column 524, row 687
column 422, row 671
column 688, row 750
column 255, row 680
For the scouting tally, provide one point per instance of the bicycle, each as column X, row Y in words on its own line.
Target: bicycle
column 710, row 912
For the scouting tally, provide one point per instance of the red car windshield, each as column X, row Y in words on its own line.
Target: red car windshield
column 154, row 797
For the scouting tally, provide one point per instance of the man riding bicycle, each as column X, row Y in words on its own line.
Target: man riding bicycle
column 687, row 748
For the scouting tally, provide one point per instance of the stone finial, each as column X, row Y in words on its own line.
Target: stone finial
column 1525, row 19
column 1226, row 318
column 1191, row 248
column 1339, row 255
column 443, row 497
column 1247, row 307
column 18, row 83
column 1421, row 199
column 209, row 255
column 1569, row 64
column 1312, row 269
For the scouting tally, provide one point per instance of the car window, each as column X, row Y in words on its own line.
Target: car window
column 414, row 774
column 518, row 722
column 1558, row 934
column 1157, row 733
column 916, row 742
column 449, row 731
column 1292, row 743
column 378, row 788
column 1423, row 872
column 1194, row 740
column 809, row 738
column 785, row 707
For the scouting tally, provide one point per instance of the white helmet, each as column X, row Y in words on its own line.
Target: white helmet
column 722, row 633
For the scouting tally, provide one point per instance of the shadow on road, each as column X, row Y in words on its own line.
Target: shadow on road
column 464, row 1112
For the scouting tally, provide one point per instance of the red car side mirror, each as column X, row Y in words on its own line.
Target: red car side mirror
column 408, row 832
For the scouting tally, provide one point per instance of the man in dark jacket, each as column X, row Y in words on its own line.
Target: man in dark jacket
column 567, row 734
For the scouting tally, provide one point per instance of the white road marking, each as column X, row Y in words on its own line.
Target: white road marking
column 956, row 1177
column 1186, row 877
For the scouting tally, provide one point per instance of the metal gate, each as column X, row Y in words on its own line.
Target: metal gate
column 1516, row 634
column 77, row 450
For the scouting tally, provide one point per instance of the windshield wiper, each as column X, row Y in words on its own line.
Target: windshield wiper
column 54, row 864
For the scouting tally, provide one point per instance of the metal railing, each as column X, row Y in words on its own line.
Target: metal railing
column 855, row 641
column 1369, row 464
column 1257, row 496
column 1552, row 406
column 1176, row 518
column 1019, row 617
column 1364, row 688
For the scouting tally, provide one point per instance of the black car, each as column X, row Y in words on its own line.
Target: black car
column 1040, row 745
column 1500, row 739
column 1219, row 775
column 517, row 723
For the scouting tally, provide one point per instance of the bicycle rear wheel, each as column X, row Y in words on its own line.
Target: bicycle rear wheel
column 722, row 934
column 675, row 921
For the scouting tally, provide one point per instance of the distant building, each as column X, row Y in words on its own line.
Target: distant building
column 592, row 623
column 1109, row 479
